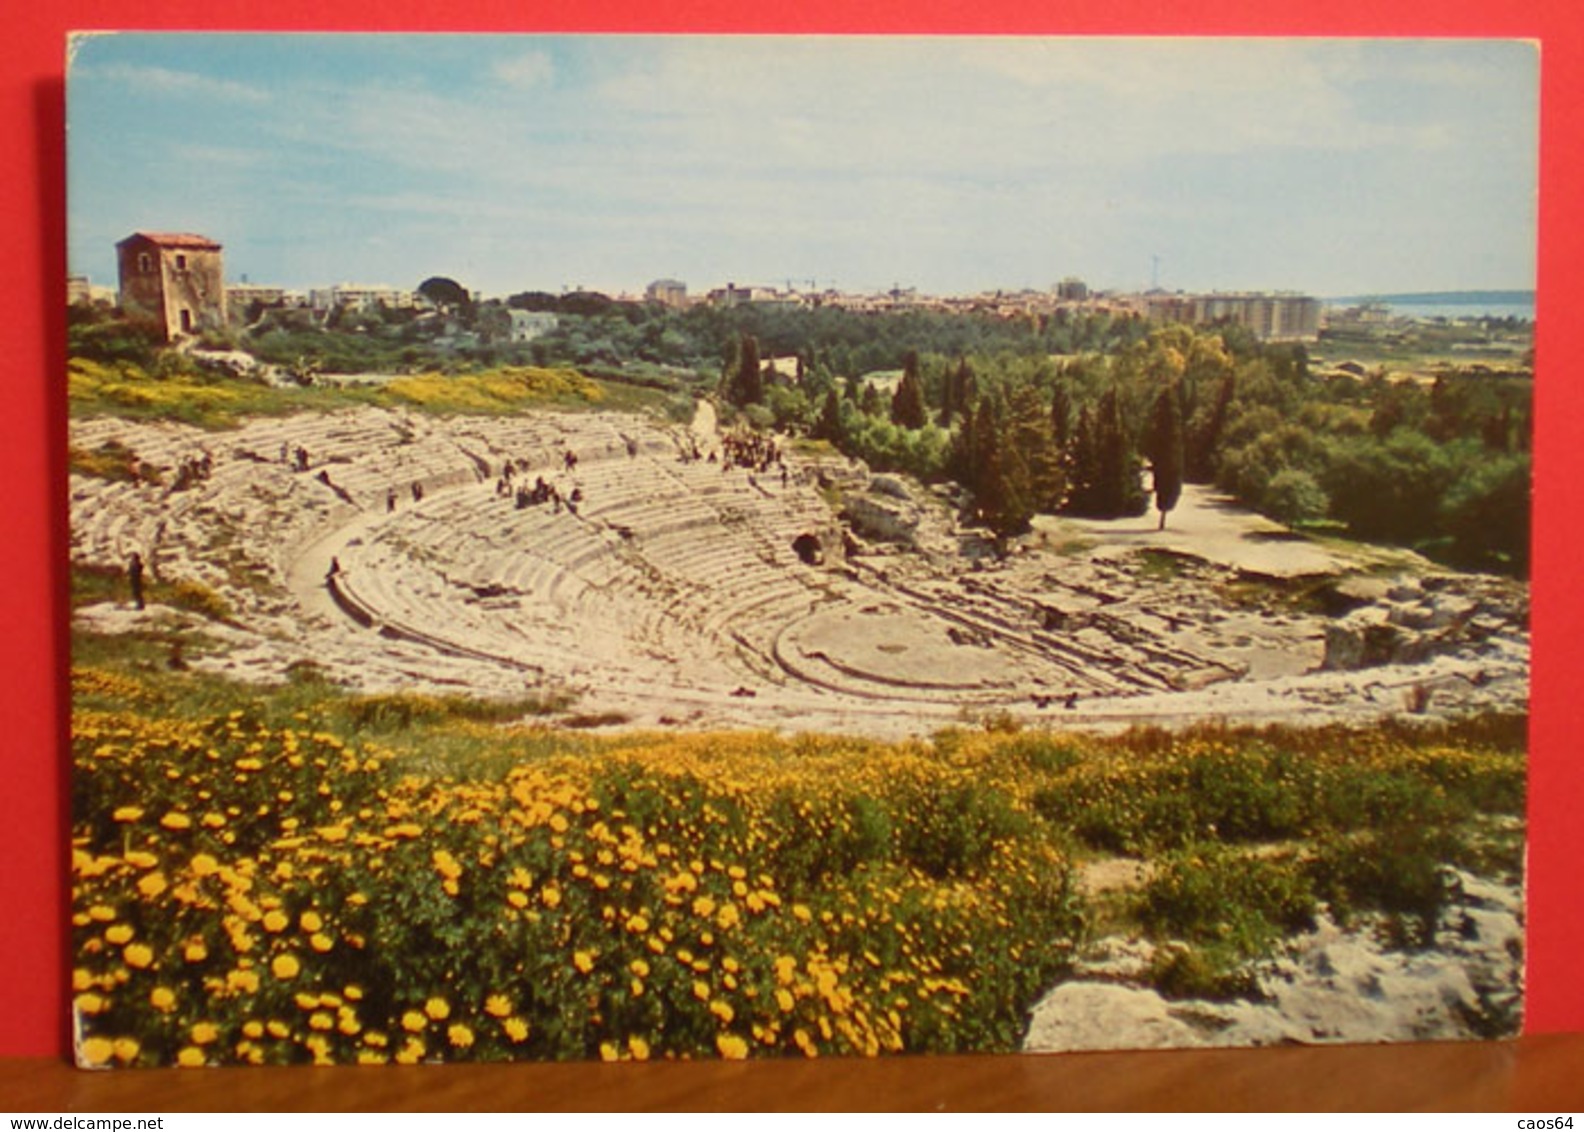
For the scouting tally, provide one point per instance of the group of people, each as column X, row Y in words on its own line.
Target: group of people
column 752, row 450
column 190, row 472
column 543, row 491
column 390, row 496
column 295, row 458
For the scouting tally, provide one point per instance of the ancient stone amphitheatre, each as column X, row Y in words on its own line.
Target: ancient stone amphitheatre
column 378, row 545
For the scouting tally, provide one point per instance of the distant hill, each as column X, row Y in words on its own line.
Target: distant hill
column 1441, row 298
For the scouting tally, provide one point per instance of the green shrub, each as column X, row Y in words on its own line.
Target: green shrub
column 195, row 597
column 1210, row 894
column 1401, row 872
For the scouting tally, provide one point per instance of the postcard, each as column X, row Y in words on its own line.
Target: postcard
column 683, row 547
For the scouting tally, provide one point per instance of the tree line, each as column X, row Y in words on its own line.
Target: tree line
column 1440, row 466
column 1079, row 413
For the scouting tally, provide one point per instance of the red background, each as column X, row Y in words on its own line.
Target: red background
column 33, row 798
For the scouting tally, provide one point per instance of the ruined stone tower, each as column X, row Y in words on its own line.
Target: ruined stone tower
column 174, row 278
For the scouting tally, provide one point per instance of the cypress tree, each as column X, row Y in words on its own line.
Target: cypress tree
column 989, row 473
column 746, row 385
column 907, row 404
column 1036, row 482
column 829, row 425
column 963, row 461
column 1061, row 416
column 1120, row 460
column 959, row 390
column 1201, row 461
column 1166, row 450
column 1083, row 467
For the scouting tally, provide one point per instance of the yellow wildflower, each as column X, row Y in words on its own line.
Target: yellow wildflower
column 411, row 1053
column 244, row 981
column 97, row 1051
column 275, row 920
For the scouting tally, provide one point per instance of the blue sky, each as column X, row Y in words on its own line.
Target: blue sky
column 954, row 165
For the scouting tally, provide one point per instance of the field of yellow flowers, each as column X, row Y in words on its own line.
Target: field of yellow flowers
column 269, row 884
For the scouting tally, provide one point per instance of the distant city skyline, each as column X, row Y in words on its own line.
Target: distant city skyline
column 513, row 163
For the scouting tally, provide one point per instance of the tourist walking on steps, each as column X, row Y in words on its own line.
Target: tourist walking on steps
column 135, row 579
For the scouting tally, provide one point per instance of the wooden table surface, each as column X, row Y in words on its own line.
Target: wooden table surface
column 1541, row 1074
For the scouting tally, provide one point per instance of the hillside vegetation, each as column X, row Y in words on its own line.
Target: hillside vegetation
column 1089, row 414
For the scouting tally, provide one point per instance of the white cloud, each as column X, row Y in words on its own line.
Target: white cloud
column 164, row 81
column 525, row 71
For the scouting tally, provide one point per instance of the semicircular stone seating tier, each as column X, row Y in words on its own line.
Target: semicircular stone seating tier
column 669, row 573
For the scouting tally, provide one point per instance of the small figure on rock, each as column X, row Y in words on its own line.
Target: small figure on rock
column 135, row 579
